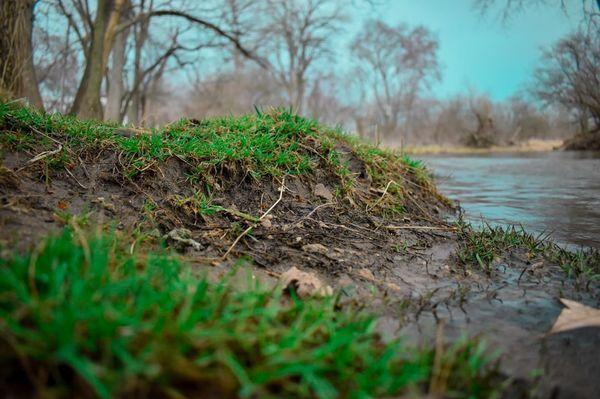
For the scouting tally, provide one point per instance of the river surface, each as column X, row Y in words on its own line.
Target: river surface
column 557, row 192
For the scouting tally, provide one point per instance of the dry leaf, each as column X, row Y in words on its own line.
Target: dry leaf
column 575, row 315
column 366, row 274
column 305, row 284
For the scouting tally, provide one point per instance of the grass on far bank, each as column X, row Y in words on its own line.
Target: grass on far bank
column 531, row 145
column 83, row 317
column 481, row 246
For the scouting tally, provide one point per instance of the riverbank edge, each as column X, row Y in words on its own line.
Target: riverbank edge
column 533, row 145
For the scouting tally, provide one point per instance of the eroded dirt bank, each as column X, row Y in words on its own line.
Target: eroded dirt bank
column 402, row 264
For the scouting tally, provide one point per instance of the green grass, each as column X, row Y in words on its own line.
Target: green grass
column 265, row 144
column 480, row 247
column 577, row 264
column 83, row 317
column 391, row 169
column 257, row 144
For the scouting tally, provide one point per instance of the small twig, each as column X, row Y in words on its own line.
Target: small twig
column 272, row 274
column 281, row 190
column 307, row 216
column 521, row 275
column 83, row 167
column 391, row 227
column 41, row 156
column 382, row 195
column 253, row 225
column 240, row 214
column 145, row 168
column 341, row 226
column 74, row 178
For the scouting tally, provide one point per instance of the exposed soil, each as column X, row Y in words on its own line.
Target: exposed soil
column 418, row 283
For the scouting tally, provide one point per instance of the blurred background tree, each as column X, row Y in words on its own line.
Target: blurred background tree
column 150, row 61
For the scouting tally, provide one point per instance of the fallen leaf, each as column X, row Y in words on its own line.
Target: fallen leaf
column 575, row 315
column 304, row 284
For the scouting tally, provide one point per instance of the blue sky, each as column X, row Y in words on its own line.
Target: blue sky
column 481, row 51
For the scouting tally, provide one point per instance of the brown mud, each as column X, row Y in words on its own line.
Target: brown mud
column 403, row 268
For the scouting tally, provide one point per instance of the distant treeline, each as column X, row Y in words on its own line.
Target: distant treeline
column 151, row 61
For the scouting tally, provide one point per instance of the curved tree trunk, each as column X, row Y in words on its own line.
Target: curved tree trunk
column 115, row 79
column 17, row 74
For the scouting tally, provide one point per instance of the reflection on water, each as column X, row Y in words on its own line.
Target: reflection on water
column 556, row 192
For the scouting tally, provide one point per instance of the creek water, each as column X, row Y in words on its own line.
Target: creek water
column 554, row 192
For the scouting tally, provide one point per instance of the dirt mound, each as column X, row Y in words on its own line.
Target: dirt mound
column 353, row 196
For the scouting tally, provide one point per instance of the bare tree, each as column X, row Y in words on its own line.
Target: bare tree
column 99, row 38
column 526, row 121
column 299, row 33
column 232, row 92
column 590, row 8
column 395, row 65
column 115, row 78
column 87, row 99
column 17, row 73
column 245, row 22
column 484, row 133
column 451, row 121
column 570, row 76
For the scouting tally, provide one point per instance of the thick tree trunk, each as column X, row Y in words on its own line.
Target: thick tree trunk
column 115, row 79
column 87, row 100
column 135, row 106
column 17, row 74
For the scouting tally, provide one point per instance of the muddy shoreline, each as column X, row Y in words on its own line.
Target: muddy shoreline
column 405, row 270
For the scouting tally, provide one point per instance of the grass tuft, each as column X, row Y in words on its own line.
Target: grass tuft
column 83, row 317
column 480, row 247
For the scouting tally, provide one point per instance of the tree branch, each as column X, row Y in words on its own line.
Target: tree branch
column 216, row 29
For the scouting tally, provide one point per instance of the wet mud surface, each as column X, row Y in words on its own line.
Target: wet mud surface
column 402, row 268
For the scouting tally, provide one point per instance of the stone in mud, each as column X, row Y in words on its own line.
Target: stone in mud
column 304, row 284
column 315, row 248
column 321, row 191
column 393, row 287
column 266, row 222
column 181, row 238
